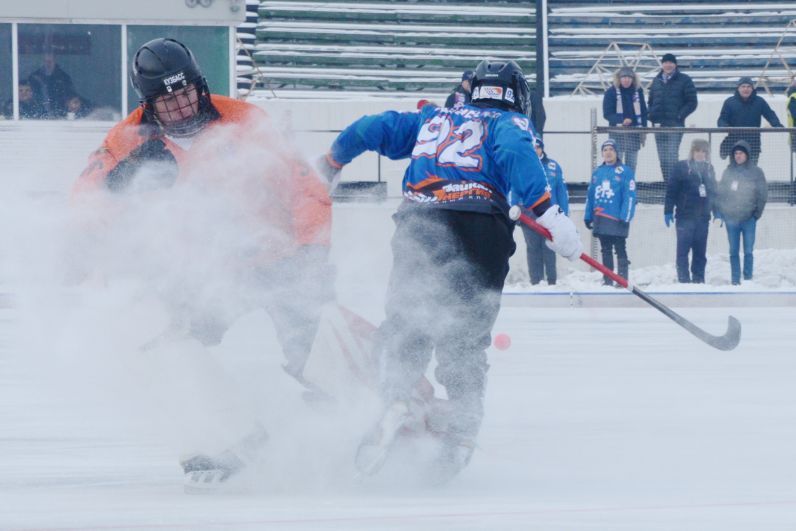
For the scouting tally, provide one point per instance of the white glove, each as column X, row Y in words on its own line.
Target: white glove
column 329, row 171
column 566, row 240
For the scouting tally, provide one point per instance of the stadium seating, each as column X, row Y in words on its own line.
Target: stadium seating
column 384, row 45
column 714, row 42
column 411, row 45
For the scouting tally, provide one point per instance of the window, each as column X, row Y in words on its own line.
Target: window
column 6, row 88
column 210, row 46
column 70, row 71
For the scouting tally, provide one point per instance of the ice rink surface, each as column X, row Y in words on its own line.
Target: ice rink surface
column 597, row 419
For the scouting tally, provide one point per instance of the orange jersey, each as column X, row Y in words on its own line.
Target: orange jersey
column 243, row 157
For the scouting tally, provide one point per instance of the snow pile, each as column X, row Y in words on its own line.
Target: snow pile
column 773, row 270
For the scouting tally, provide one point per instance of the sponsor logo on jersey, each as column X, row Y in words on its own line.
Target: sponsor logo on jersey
column 619, row 170
column 604, row 191
column 551, row 165
column 440, row 191
column 632, row 185
column 179, row 77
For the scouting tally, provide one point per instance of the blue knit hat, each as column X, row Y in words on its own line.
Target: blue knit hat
column 609, row 142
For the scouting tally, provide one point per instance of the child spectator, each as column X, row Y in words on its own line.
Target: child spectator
column 610, row 205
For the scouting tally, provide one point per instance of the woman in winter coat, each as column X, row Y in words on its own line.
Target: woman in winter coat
column 742, row 197
column 690, row 198
column 624, row 106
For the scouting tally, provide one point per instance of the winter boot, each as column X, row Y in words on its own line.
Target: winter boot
column 624, row 267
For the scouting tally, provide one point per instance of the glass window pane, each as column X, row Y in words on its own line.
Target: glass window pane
column 7, row 111
column 209, row 44
column 73, row 71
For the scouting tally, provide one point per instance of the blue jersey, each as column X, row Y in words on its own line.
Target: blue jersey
column 612, row 194
column 556, row 184
column 465, row 158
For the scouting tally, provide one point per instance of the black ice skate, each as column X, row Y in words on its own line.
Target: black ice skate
column 204, row 473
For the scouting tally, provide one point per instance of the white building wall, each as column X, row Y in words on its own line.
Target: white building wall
column 44, row 158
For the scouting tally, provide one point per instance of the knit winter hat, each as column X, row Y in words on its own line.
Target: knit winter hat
column 746, row 80
column 626, row 71
column 609, row 142
column 467, row 75
column 741, row 146
column 669, row 58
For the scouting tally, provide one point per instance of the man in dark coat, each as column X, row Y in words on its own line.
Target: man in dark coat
column 537, row 114
column 461, row 94
column 51, row 87
column 745, row 109
column 742, row 197
column 690, row 197
column 672, row 98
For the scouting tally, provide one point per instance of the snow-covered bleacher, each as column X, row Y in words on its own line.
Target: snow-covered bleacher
column 715, row 42
column 398, row 45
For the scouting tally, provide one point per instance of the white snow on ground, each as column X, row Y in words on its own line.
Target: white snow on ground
column 773, row 270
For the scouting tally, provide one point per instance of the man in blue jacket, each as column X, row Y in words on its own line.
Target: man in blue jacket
column 542, row 259
column 610, row 205
column 451, row 248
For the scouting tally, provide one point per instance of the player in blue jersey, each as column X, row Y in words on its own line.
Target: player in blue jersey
column 451, row 249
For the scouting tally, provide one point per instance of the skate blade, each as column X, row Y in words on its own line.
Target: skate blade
column 370, row 459
column 206, row 481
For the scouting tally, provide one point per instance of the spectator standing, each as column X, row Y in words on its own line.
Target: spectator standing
column 461, row 95
column 610, row 205
column 51, row 87
column 624, row 106
column 690, row 198
column 745, row 109
column 672, row 98
column 536, row 112
column 742, row 197
column 792, row 111
column 542, row 259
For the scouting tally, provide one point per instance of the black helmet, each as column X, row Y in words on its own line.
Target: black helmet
column 161, row 66
column 501, row 84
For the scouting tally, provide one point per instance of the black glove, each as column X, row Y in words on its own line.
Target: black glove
column 329, row 169
column 588, row 224
column 152, row 152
